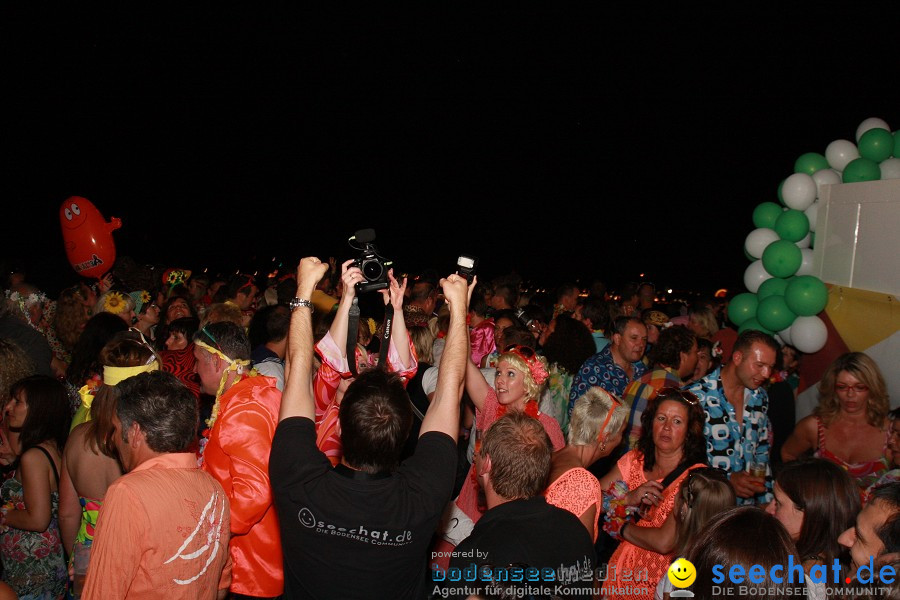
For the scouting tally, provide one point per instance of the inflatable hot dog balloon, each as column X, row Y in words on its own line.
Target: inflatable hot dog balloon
column 87, row 237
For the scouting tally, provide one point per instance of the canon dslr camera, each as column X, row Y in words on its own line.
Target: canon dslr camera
column 374, row 267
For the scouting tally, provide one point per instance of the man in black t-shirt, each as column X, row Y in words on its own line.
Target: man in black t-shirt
column 522, row 546
column 363, row 528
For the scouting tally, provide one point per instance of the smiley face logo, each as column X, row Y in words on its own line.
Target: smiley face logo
column 682, row 573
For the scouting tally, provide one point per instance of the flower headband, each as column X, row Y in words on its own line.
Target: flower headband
column 716, row 351
column 538, row 371
column 114, row 303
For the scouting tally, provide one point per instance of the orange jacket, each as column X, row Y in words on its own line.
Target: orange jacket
column 237, row 455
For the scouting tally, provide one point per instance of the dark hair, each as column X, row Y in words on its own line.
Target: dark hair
column 569, row 345
column 479, row 305
column 889, row 532
column 269, row 324
column 751, row 336
column 671, row 343
column 186, row 326
column 621, row 323
column 566, row 289
column 694, row 442
column 226, row 337
column 520, row 452
column 162, row 406
column 238, row 284
column 421, row 291
column 829, row 499
column 597, row 310
column 375, row 418
column 286, row 289
column 98, row 330
column 518, row 335
column 164, row 311
column 744, row 535
column 508, row 291
column 48, row 416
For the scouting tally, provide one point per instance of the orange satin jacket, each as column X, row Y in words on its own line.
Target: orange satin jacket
column 237, row 455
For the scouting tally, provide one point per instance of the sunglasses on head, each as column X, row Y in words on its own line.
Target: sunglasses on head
column 524, row 352
column 671, row 393
column 615, row 404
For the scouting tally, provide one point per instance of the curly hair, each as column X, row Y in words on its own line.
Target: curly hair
column 71, row 316
column 14, row 365
column 694, row 450
column 569, row 345
column 862, row 367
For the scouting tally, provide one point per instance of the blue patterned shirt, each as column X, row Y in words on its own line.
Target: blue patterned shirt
column 602, row 370
column 730, row 445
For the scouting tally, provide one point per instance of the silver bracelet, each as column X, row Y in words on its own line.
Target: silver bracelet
column 298, row 302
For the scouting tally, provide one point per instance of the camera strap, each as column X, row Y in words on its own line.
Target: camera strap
column 386, row 335
column 352, row 335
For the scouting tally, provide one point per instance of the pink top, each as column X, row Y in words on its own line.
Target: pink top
column 576, row 491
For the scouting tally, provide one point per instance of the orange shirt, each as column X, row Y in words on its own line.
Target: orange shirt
column 162, row 532
column 237, row 455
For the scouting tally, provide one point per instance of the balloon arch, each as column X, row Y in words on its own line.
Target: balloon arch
column 784, row 298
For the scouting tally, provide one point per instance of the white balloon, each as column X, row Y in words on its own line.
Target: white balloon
column 825, row 177
column 808, row 334
column 870, row 123
column 805, row 242
column 758, row 239
column 799, row 191
column 812, row 213
column 755, row 275
column 890, row 168
column 786, row 335
column 839, row 153
column 806, row 267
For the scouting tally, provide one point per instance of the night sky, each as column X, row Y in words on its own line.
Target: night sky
column 557, row 142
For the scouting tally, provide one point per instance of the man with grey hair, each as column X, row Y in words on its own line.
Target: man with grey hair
column 163, row 529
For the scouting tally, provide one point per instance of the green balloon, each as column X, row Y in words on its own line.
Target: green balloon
column 806, row 295
column 861, row 169
column 782, row 258
column 792, row 225
column 810, row 162
column 773, row 313
column 774, row 286
column 754, row 325
column 780, row 187
column 742, row 307
column 876, row 144
column 766, row 214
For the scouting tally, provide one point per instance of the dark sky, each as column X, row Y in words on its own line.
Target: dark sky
column 558, row 142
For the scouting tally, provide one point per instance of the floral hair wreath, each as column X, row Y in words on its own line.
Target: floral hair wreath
column 29, row 300
column 538, row 371
column 114, row 303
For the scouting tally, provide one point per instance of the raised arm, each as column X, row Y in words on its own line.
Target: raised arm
column 297, row 400
column 476, row 385
column 443, row 412
column 399, row 335
column 350, row 276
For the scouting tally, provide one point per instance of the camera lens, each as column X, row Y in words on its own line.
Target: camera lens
column 372, row 270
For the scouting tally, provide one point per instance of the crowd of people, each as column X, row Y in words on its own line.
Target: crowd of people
column 170, row 434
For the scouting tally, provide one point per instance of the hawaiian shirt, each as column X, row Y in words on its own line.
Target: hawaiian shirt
column 602, row 370
column 730, row 445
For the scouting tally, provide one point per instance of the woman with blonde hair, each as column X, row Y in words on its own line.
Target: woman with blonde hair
column 850, row 427
column 702, row 321
column 521, row 375
column 598, row 420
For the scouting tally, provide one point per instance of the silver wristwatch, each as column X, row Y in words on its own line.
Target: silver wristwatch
column 298, row 302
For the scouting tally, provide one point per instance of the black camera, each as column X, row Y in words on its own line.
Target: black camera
column 465, row 266
column 374, row 267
